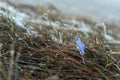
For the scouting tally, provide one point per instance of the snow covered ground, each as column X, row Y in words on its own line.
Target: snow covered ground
column 20, row 18
column 107, row 10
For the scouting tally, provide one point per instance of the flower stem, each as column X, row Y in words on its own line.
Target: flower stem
column 83, row 59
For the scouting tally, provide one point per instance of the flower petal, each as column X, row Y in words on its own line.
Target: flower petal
column 80, row 46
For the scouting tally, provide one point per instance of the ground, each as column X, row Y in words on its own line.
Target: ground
column 37, row 44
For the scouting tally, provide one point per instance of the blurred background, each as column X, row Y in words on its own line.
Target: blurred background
column 105, row 10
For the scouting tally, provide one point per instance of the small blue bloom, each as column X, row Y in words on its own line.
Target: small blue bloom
column 80, row 46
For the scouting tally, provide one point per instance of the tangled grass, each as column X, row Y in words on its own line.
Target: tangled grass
column 29, row 57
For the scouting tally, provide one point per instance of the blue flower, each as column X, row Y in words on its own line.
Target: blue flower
column 80, row 46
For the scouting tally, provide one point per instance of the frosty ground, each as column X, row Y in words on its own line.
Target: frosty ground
column 39, row 43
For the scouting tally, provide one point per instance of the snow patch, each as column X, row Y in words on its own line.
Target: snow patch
column 13, row 14
column 109, row 38
column 84, row 27
column 18, row 17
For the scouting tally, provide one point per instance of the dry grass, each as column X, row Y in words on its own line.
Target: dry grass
column 25, row 57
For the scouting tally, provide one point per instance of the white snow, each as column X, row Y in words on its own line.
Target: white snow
column 55, row 24
column 16, row 16
column 109, row 38
column 84, row 27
